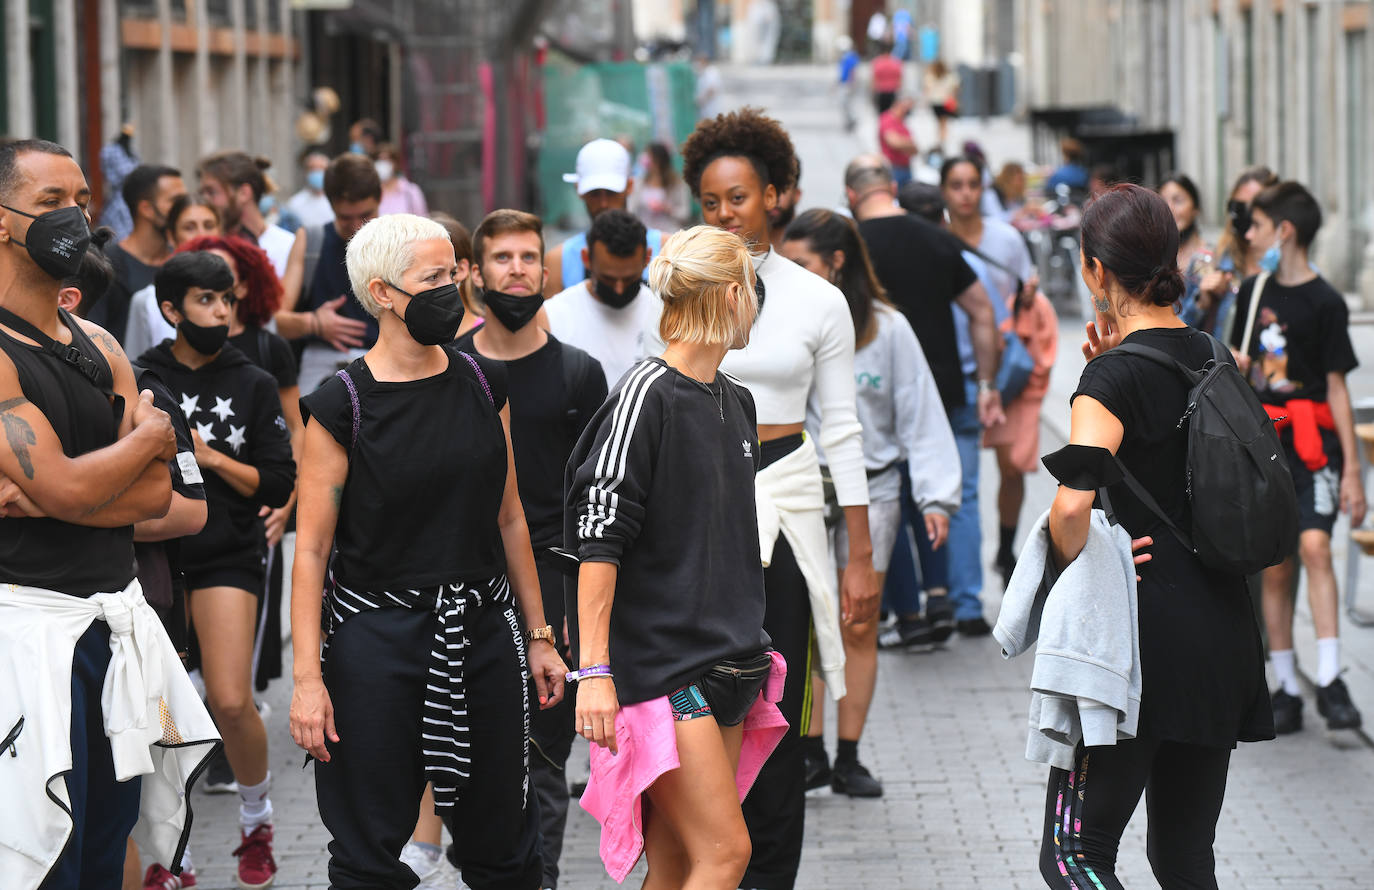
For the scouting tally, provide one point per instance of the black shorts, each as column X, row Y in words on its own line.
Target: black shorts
column 943, row 113
column 1319, row 492
column 245, row 577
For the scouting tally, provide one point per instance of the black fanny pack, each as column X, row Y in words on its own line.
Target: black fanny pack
column 731, row 687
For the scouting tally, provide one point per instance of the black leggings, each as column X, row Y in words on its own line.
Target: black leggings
column 775, row 810
column 1086, row 811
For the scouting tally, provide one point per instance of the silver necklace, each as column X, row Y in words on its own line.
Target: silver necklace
column 718, row 397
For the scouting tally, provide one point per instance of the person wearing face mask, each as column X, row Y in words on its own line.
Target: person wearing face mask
column 1292, row 336
column 317, row 302
column 608, row 313
column 244, row 451
column 83, row 460
column 150, row 192
column 310, row 205
column 412, row 542
column 604, row 182
column 555, row 388
column 399, row 195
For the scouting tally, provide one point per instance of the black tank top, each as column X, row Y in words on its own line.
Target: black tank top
column 50, row 553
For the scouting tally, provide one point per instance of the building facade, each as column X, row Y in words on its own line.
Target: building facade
column 1286, row 83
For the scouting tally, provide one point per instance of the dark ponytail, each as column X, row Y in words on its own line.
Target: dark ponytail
column 826, row 232
column 1131, row 230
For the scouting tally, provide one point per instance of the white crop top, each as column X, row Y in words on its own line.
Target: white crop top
column 804, row 340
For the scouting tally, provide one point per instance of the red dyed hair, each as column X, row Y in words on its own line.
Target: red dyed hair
column 262, row 290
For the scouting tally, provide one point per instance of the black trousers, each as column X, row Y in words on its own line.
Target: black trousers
column 1086, row 811
column 369, row 791
column 551, row 739
column 104, row 811
column 775, row 809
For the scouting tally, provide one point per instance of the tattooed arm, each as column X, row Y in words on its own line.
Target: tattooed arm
column 95, row 488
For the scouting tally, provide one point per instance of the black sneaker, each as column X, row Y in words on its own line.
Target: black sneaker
column 854, row 779
column 907, row 633
column 817, row 769
column 940, row 614
column 974, row 627
column 219, row 776
column 1287, row 712
column 1333, row 703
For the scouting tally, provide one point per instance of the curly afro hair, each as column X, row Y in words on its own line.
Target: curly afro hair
column 747, row 133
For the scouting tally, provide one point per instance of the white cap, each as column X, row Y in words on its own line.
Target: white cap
column 601, row 164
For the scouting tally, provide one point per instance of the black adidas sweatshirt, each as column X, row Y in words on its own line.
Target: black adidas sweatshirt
column 235, row 407
column 661, row 483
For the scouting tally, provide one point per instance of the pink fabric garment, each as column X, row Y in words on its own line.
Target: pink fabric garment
column 646, row 736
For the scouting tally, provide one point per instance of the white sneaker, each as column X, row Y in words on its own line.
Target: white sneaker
column 433, row 869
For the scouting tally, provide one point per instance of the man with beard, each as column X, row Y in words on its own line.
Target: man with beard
column 235, row 184
column 603, row 183
column 608, row 313
column 554, row 388
column 149, row 191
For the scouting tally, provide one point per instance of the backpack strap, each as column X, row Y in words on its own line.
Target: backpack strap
column 481, row 378
column 1255, row 294
column 1148, row 500
column 347, row 379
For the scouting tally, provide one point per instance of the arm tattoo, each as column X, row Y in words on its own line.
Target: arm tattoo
column 19, row 434
column 336, row 492
column 110, row 344
column 117, row 496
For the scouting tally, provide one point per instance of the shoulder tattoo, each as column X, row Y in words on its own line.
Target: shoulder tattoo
column 110, row 343
column 18, row 433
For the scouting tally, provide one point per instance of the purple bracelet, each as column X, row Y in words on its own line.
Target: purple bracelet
column 596, row 670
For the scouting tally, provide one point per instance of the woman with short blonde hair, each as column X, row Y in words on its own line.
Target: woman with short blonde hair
column 667, row 628
column 411, row 539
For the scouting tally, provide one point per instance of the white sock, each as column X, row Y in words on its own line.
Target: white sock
column 1285, row 670
column 1328, row 660
column 254, row 806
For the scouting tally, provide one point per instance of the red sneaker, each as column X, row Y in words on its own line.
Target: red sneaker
column 257, row 868
column 159, row 878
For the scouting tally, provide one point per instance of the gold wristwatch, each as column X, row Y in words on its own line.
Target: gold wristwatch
column 540, row 633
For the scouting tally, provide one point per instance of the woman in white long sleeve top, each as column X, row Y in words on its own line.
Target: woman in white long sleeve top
column 903, row 420
column 736, row 165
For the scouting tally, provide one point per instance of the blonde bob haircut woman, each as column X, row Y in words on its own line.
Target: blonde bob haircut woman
column 705, row 277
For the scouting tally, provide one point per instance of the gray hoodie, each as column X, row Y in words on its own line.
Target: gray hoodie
column 1086, row 683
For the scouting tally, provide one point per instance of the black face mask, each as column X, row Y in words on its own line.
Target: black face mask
column 514, row 311
column 433, row 316
column 1239, row 212
column 606, row 294
column 205, row 340
column 57, row 240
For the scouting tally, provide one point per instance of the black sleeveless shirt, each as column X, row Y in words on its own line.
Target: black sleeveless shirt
column 49, row 553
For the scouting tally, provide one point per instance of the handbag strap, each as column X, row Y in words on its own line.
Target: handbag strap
column 1255, row 294
column 1020, row 283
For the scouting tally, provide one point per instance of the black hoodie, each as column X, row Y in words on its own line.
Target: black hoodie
column 234, row 406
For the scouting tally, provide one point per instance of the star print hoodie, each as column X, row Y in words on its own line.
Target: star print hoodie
column 234, row 406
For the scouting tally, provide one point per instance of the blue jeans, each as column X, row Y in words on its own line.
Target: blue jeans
column 965, row 533
column 912, row 571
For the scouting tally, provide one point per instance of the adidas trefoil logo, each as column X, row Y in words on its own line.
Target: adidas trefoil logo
column 748, row 449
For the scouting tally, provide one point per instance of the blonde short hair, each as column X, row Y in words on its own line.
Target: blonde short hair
column 384, row 248
column 692, row 274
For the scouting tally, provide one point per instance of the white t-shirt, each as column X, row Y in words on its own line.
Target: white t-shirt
column 276, row 242
column 1004, row 244
column 311, row 208
column 614, row 337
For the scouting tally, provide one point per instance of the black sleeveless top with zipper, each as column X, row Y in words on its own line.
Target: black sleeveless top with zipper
column 50, row 553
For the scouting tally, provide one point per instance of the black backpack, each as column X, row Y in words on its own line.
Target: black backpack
column 1245, row 511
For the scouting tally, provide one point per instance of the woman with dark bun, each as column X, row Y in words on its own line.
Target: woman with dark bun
column 1201, row 659
column 803, row 342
